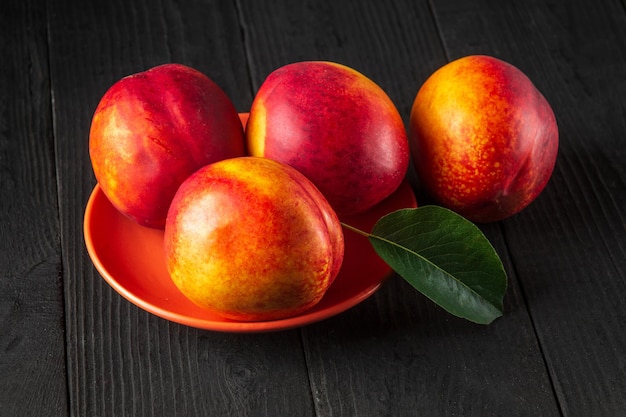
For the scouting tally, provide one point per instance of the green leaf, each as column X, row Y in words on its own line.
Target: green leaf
column 445, row 257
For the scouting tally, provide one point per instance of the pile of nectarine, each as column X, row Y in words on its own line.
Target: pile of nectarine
column 251, row 217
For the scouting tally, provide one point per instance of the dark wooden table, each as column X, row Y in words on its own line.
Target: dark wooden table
column 70, row 345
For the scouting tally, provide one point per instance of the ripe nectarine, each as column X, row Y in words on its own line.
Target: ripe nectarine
column 334, row 125
column 151, row 130
column 484, row 140
column 252, row 239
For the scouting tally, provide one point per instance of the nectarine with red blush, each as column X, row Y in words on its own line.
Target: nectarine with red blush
column 252, row 239
column 336, row 126
column 484, row 140
column 153, row 129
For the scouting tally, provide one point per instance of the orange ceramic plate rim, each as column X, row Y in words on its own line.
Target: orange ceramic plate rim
column 341, row 296
column 311, row 316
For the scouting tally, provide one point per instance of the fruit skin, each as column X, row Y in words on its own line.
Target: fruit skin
column 334, row 125
column 360, row 259
column 252, row 239
column 153, row 129
column 484, row 140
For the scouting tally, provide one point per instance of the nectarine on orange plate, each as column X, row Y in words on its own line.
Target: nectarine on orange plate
column 252, row 239
column 336, row 126
column 151, row 130
column 130, row 259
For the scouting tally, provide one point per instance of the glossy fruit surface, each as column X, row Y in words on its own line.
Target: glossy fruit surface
column 153, row 129
column 252, row 239
column 484, row 140
column 334, row 125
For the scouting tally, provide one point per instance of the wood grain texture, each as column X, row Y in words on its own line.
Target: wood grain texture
column 70, row 345
column 395, row 43
column 568, row 248
column 123, row 361
column 398, row 354
column 32, row 354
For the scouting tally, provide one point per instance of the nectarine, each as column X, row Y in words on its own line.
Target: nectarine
column 252, row 239
column 484, row 139
column 336, row 126
column 151, row 130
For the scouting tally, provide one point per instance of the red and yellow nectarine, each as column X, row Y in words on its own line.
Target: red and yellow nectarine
column 252, row 239
column 335, row 126
column 151, row 130
column 484, row 139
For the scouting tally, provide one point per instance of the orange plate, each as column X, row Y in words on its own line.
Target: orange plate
column 130, row 258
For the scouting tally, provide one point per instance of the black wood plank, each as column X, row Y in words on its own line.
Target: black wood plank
column 395, row 56
column 397, row 354
column 32, row 348
column 123, row 361
column 568, row 248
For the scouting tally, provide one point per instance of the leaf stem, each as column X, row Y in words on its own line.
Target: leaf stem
column 354, row 229
column 372, row 236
